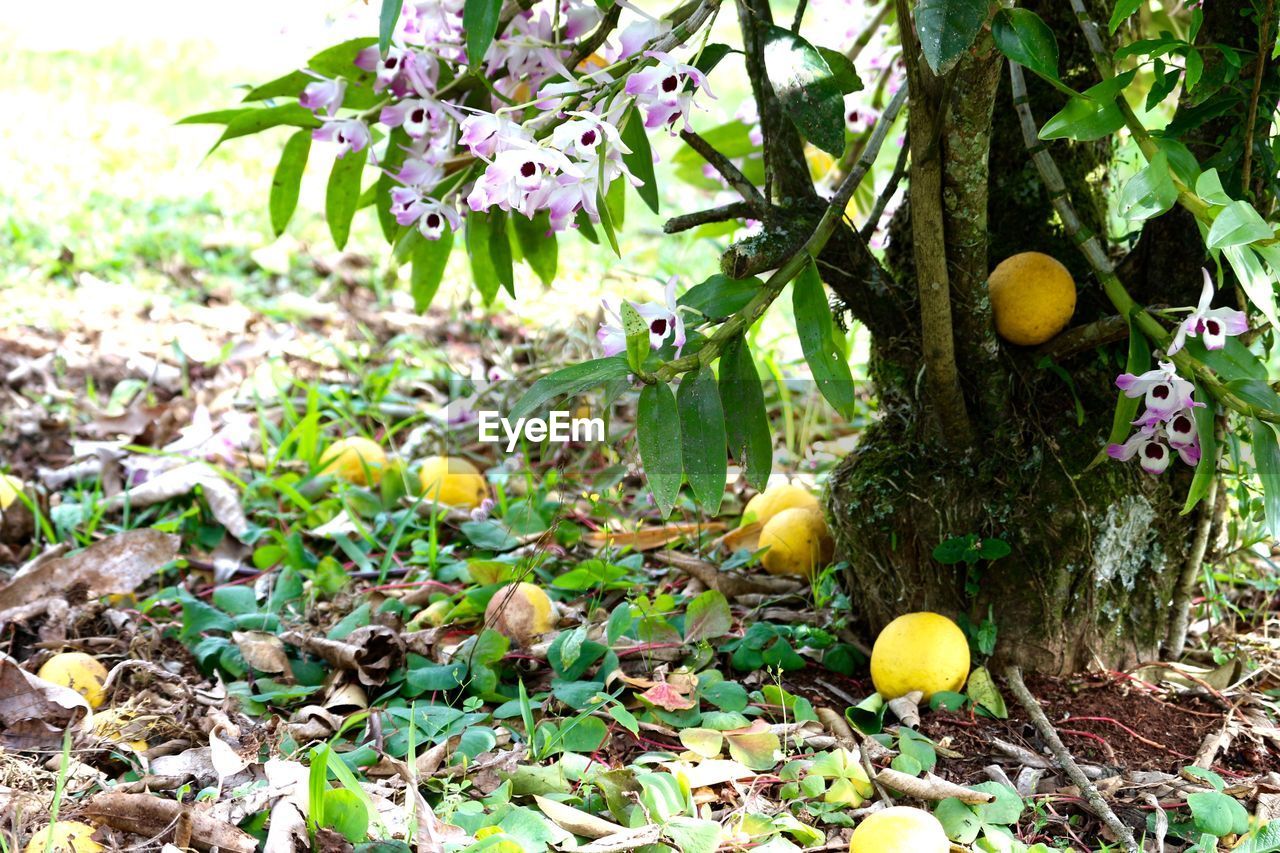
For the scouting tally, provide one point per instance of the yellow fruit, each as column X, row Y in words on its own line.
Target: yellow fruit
column 774, row 500
column 900, row 829
column 1032, row 298
column 919, row 651
column 81, row 672
column 520, row 611
column 798, row 541
column 452, row 481
column 68, row 836
column 113, row 725
column 10, row 487
column 357, row 460
column 820, row 162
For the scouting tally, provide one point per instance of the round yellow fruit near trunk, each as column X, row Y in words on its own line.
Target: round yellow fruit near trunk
column 357, row 460
column 774, row 500
column 522, row 612
column 900, row 829
column 10, row 488
column 65, row 836
column 798, row 540
column 81, row 672
column 919, row 651
column 1032, row 298
column 452, row 481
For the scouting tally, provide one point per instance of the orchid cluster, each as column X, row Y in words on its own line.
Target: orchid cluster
column 550, row 140
column 1167, row 424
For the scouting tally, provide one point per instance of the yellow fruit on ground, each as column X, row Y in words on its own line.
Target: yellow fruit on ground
column 69, row 836
column 10, row 487
column 1032, row 298
column 81, row 672
column 919, row 651
column 774, row 500
column 520, row 611
column 357, row 460
column 900, row 829
column 452, row 481
column 114, row 725
column 798, row 541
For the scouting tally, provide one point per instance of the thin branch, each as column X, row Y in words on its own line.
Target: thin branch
column 800, row 10
column 864, row 37
column 1097, row 258
column 736, row 210
column 726, row 168
column 1176, row 641
column 890, row 189
column 592, row 43
column 831, row 219
column 1264, row 47
column 1118, row 828
column 1089, row 336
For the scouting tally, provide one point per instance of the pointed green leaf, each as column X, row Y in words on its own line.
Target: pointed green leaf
column 806, row 87
column 1150, row 192
column 480, row 23
column 708, row 617
column 287, row 180
column 479, row 237
column 1207, row 467
column 570, row 380
column 747, row 422
column 1022, row 36
column 500, row 250
column 1123, row 9
column 430, row 257
column 639, row 160
column 947, row 28
column 387, row 23
column 636, row 331
column 1236, row 225
column 342, row 195
column 816, row 330
column 1266, row 454
column 658, row 435
column 538, row 244
column 702, row 437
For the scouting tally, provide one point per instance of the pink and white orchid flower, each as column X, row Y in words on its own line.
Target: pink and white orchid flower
column 663, row 90
column 1212, row 325
column 323, row 96
column 351, row 135
column 664, row 322
column 1166, row 392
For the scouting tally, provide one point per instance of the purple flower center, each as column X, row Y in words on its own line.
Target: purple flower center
column 1182, row 425
column 659, row 327
column 669, row 84
column 391, row 62
column 528, row 170
column 417, row 115
column 1213, row 327
column 1161, row 391
column 589, row 138
column 1153, row 450
column 433, row 220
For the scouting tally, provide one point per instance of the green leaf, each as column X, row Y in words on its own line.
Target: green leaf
column 480, row 23
column 1236, row 225
column 639, row 160
column 1138, row 362
column 539, row 245
column 1254, row 278
column 1233, row 361
column 720, row 296
column 824, row 355
column 387, row 23
column 958, row 820
column 1122, row 11
column 692, row 835
column 1209, row 188
column 583, row 734
column 1022, row 36
column 806, row 87
column 845, row 73
column 255, row 121
column 1266, row 454
column 480, row 237
column 1149, row 193
column 343, row 194
column 340, row 60
column 500, row 250
column 288, row 179
column 216, row 116
column 747, row 422
column 1007, row 807
column 387, row 168
column 570, row 380
column 345, row 813
column 708, row 617
column 658, row 435
column 1217, row 814
column 1207, row 467
column 1084, row 120
column 984, row 693
column 636, row 331
column 706, row 742
column 430, row 257
column 947, row 28
column 702, row 438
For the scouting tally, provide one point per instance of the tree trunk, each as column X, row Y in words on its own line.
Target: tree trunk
column 1096, row 550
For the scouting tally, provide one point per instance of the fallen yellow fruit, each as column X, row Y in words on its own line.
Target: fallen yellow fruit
column 452, row 481
column 67, row 836
column 79, row 671
column 1032, row 298
column 900, row 829
column 919, row 651
column 357, row 460
column 798, row 541
column 774, row 500
column 115, row 725
column 521, row 612
column 10, row 488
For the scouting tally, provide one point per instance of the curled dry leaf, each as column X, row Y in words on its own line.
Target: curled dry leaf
column 151, row 817
column 34, row 713
column 263, row 652
column 370, row 652
column 907, row 708
column 649, row 538
column 114, row 566
column 731, row 584
column 575, row 820
column 220, row 495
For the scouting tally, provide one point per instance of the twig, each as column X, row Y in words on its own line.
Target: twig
column 725, row 167
column 1122, row 832
column 864, row 37
column 1246, row 165
column 597, row 37
column 877, row 211
column 736, row 210
column 1176, row 642
column 931, row 788
column 800, row 10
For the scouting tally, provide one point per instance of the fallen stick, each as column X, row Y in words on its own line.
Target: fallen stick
column 931, row 788
column 1066, row 762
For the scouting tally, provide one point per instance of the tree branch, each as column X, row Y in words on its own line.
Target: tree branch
column 864, row 38
column 726, row 168
column 890, row 188
column 1260, row 67
column 736, row 210
column 929, row 240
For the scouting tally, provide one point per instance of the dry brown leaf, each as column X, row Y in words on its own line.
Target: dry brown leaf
column 151, row 816
column 648, row 538
column 220, row 495
column 370, row 652
column 114, row 566
column 263, row 652
column 35, row 713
